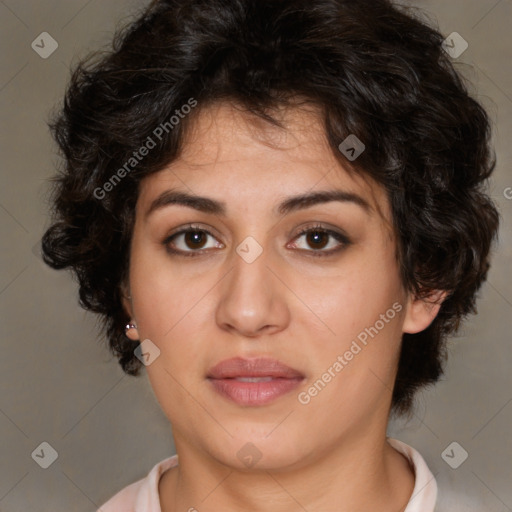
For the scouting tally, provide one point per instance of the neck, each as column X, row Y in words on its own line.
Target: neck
column 362, row 473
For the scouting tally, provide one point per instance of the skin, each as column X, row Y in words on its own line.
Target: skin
column 330, row 454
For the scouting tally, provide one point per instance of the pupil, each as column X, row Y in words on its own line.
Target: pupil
column 195, row 237
column 315, row 236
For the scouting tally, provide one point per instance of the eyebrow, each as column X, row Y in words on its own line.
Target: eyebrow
column 290, row 204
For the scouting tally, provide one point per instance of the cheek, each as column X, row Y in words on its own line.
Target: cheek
column 353, row 299
column 171, row 310
column 156, row 290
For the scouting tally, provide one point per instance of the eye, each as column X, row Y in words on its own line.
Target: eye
column 188, row 241
column 318, row 237
column 192, row 241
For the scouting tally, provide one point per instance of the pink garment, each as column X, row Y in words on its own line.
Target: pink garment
column 142, row 496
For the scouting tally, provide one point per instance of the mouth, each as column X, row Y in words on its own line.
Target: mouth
column 253, row 382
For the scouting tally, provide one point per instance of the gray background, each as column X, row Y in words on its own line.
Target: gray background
column 59, row 383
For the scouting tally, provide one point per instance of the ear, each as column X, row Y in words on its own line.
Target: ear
column 420, row 313
column 133, row 334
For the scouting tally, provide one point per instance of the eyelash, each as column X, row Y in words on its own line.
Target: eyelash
column 343, row 239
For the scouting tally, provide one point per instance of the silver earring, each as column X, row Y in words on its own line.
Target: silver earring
column 130, row 326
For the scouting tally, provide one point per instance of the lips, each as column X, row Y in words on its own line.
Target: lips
column 252, row 382
column 259, row 367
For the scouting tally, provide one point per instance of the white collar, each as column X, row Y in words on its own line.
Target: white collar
column 424, row 494
column 142, row 496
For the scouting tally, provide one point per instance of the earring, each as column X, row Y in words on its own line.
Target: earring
column 130, row 326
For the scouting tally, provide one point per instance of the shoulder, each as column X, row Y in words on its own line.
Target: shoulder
column 142, row 495
column 124, row 499
column 424, row 495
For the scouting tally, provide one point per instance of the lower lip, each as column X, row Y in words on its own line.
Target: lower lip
column 254, row 393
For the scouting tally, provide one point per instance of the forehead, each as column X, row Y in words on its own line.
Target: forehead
column 225, row 146
column 224, row 131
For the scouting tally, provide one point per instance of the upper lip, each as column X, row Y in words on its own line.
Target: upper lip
column 257, row 367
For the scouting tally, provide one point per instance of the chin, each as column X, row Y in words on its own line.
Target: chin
column 260, row 452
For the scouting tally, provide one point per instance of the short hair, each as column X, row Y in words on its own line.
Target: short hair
column 374, row 69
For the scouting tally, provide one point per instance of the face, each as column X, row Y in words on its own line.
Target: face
column 252, row 273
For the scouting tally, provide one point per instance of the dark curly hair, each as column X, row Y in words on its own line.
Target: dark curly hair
column 374, row 69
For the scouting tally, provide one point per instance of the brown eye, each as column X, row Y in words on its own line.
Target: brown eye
column 195, row 239
column 317, row 238
column 191, row 241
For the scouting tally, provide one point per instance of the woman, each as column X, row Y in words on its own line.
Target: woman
column 278, row 209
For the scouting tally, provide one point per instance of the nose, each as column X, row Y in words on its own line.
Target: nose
column 253, row 301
